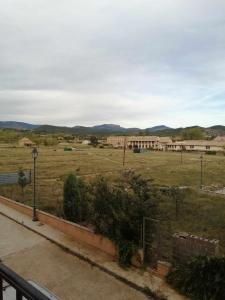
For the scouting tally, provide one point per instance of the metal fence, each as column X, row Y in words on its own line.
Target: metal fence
column 23, row 290
column 156, row 240
column 13, row 177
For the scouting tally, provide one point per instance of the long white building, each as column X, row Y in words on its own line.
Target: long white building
column 141, row 142
column 166, row 144
column 197, row 145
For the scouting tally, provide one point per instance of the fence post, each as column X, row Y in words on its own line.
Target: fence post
column 19, row 296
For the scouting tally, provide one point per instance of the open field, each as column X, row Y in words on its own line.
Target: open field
column 201, row 213
column 164, row 167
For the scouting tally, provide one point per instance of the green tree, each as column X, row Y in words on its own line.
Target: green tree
column 194, row 133
column 94, row 140
column 22, row 180
column 75, row 200
column 70, row 199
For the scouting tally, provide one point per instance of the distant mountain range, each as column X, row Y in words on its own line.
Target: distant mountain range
column 158, row 128
column 106, row 129
column 17, row 125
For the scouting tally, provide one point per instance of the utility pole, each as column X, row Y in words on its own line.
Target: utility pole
column 201, row 167
column 181, row 155
column 124, row 150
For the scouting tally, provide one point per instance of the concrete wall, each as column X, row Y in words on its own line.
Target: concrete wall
column 186, row 246
column 78, row 232
column 17, row 206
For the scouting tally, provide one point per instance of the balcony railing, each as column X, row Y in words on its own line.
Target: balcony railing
column 22, row 288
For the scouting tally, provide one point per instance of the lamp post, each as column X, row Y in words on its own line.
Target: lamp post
column 34, row 155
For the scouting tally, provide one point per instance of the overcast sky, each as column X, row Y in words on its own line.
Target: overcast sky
column 137, row 63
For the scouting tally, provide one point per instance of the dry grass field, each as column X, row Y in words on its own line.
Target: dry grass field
column 164, row 167
column 201, row 213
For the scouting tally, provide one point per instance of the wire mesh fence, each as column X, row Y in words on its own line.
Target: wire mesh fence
column 157, row 241
column 9, row 178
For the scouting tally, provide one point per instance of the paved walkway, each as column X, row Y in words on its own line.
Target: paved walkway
column 34, row 257
column 37, row 259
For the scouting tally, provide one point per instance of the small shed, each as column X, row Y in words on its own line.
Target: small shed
column 86, row 142
column 25, row 142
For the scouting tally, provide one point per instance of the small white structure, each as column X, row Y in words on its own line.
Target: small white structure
column 86, row 142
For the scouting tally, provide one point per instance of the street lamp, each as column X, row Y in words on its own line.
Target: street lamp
column 34, row 155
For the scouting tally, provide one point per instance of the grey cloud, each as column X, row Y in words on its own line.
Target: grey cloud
column 94, row 55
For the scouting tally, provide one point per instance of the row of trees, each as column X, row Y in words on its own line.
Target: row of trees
column 114, row 210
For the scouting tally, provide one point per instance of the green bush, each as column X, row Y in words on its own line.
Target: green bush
column 68, row 149
column 136, row 150
column 211, row 152
column 22, row 180
column 202, row 278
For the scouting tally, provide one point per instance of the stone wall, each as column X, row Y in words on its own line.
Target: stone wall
column 186, row 246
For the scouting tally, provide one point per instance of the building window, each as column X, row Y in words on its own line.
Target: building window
column 207, row 147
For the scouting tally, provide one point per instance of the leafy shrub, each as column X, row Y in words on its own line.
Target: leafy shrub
column 68, row 149
column 211, row 152
column 136, row 150
column 202, row 278
column 22, row 180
